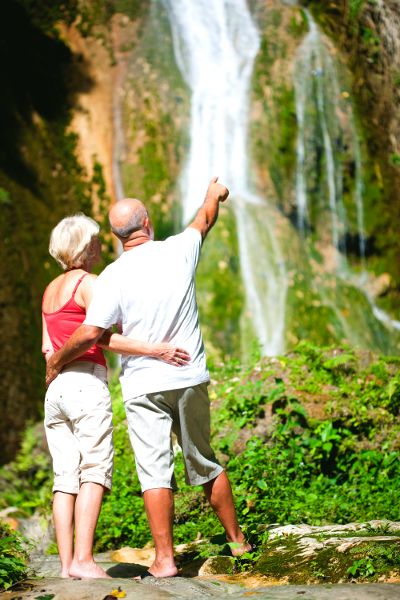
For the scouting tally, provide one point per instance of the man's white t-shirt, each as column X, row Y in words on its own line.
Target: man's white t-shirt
column 150, row 291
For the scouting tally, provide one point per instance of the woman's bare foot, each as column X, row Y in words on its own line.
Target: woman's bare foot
column 64, row 573
column 87, row 570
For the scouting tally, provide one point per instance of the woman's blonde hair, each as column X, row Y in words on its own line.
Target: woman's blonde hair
column 70, row 240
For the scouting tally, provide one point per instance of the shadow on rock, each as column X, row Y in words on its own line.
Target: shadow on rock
column 126, row 570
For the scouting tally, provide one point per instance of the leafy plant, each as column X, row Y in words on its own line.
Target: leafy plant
column 381, row 529
column 300, row 442
column 361, row 568
column 13, row 556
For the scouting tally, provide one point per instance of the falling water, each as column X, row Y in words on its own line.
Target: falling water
column 215, row 56
column 359, row 188
column 320, row 107
column 316, row 84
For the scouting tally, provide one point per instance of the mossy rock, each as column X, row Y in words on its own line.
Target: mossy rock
column 318, row 556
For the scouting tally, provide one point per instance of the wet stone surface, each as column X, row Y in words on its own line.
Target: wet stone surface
column 183, row 588
column 48, row 586
column 287, row 563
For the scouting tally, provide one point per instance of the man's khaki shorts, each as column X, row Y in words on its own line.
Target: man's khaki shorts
column 78, row 425
column 151, row 420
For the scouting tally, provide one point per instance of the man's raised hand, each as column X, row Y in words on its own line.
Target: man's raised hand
column 216, row 191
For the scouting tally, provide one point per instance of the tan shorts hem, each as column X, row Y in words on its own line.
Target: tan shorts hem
column 73, row 488
column 202, row 480
column 66, row 489
column 104, row 481
column 156, row 485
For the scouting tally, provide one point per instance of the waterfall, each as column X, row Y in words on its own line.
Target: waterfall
column 321, row 107
column 215, row 52
column 316, row 84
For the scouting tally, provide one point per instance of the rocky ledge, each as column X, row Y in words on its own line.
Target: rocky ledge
column 295, row 561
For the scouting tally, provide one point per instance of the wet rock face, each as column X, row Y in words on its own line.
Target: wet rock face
column 40, row 182
column 217, row 565
column 368, row 34
column 304, row 554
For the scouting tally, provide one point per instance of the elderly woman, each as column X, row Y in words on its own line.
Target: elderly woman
column 78, row 418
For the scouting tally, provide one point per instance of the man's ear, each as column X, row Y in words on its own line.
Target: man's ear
column 148, row 225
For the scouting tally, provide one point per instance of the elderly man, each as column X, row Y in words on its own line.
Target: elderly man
column 150, row 290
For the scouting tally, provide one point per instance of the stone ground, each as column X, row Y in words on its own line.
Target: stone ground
column 185, row 588
column 214, row 578
column 48, row 586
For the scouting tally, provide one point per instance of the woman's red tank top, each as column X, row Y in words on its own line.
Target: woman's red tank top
column 62, row 323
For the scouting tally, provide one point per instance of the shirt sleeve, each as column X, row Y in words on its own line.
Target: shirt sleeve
column 189, row 244
column 104, row 309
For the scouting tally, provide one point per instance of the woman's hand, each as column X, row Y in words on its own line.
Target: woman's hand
column 52, row 370
column 48, row 353
column 171, row 354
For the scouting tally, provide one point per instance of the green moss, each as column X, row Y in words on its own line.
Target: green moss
column 355, row 7
column 155, row 131
column 281, row 151
column 273, row 129
column 371, row 560
column 298, row 25
column 273, row 139
column 282, row 559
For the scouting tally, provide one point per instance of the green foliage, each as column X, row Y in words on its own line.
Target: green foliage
column 361, row 568
column 376, row 560
column 309, row 437
column 26, row 482
column 122, row 520
column 308, row 469
column 13, row 556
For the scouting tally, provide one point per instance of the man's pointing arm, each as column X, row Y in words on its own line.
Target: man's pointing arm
column 208, row 212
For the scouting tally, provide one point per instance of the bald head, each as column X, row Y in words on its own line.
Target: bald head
column 127, row 216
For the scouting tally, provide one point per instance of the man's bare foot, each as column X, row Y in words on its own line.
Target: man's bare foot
column 159, row 569
column 87, row 570
column 240, row 548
